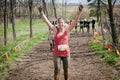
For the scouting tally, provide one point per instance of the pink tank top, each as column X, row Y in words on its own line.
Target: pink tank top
column 61, row 39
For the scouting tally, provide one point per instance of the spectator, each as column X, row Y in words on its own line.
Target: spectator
column 93, row 25
column 82, row 26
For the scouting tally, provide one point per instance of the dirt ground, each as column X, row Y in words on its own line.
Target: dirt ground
column 38, row 65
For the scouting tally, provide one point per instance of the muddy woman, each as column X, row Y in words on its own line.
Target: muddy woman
column 61, row 50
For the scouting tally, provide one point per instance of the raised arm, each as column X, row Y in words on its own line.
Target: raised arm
column 46, row 19
column 76, row 18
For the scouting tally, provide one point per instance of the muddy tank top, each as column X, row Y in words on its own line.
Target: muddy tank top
column 61, row 39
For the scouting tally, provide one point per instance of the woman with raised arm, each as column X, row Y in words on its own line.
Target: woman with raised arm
column 61, row 48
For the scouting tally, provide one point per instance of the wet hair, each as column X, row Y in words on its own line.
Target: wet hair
column 59, row 19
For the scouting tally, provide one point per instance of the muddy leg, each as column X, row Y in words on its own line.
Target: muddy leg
column 66, row 61
column 56, row 77
column 66, row 75
column 50, row 46
column 56, row 60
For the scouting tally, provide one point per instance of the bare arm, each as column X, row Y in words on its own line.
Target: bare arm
column 76, row 18
column 46, row 20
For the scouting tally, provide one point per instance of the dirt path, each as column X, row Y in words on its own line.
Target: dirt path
column 38, row 65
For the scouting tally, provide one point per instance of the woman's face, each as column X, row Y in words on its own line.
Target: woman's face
column 60, row 23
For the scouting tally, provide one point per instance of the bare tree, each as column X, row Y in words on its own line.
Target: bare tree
column 53, row 2
column 1, row 10
column 12, row 18
column 5, row 22
column 45, row 8
column 30, row 9
column 23, row 7
column 113, row 29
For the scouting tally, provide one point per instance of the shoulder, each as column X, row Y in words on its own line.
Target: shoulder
column 66, row 30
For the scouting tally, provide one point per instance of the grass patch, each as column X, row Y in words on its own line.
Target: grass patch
column 21, row 33
column 23, row 24
column 40, row 32
column 28, row 46
column 110, row 57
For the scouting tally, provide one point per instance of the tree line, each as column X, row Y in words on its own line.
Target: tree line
column 10, row 9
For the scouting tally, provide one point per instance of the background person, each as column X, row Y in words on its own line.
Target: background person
column 93, row 25
column 82, row 26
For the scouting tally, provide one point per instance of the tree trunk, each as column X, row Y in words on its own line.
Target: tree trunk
column 7, row 18
column 98, row 11
column 53, row 2
column 19, row 9
column 113, row 29
column 15, row 5
column 30, row 9
column 12, row 20
column 101, row 21
column 5, row 22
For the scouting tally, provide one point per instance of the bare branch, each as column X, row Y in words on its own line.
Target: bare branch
column 114, row 2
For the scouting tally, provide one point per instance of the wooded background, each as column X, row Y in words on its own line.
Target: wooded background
column 12, row 11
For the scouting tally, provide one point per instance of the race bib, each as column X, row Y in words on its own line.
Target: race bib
column 62, row 47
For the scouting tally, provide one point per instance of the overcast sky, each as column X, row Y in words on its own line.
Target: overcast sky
column 73, row 1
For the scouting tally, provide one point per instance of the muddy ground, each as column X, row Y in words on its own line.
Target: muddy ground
column 38, row 65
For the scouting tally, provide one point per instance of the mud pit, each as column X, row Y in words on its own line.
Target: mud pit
column 38, row 65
